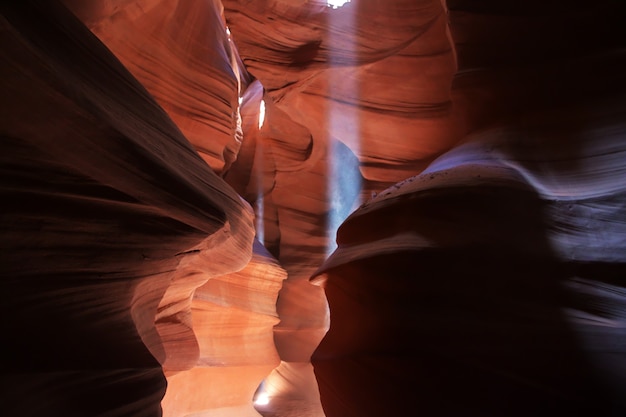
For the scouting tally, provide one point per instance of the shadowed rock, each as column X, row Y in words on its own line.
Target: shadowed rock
column 103, row 200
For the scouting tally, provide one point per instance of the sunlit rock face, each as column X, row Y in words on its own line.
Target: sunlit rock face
column 232, row 317
column 345, row 64
column 181, row 52
column 493, row 283
column 105, row 205
column 490, row 284
column 357, row 98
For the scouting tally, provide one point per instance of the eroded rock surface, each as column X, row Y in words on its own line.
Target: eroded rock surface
column 504, row 254
column 357, row 98
column 103, row 200
column 232, row 318
column 490, row 283
column 181, row 52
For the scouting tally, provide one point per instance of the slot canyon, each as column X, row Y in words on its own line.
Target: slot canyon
column 283, row 208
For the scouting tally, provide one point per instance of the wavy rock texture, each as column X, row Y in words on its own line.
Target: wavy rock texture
column 354, row 103
column 492, row 283
column 336, row 73
column 233, row 316
column 105, row 205
column 461, row 310
column 505, row 256
column 180, row 51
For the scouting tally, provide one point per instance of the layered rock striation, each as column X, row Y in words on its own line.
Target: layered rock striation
column 357, row 98
column 492, row 283
column 483, row 276
column 232, row 318
column 106, row 206
column 182, row 54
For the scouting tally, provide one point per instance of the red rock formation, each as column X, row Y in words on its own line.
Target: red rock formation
column 180, row 51
column 233, row 316
column 489, row 284
column 332, row 94
column 512, row 112
column 104, row 201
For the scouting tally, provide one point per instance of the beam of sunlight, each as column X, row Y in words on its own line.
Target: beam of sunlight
column 260, row 203
column 261, row 114
column 344, row 179
column 262, row 399
column 260, row 213
column 344, row 188
column 261, row 396
column 336, row 3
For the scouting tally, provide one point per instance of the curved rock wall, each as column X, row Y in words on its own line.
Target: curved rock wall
column 357, row 98
column 478, row 293
column 105, row 204
column 232, row 317
column 181, row 52
column 492, row 283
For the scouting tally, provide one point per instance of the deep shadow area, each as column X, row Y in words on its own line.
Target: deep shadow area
column 471, row 326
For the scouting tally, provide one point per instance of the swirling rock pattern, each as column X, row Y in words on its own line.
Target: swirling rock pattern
column 469, row 312
column 346, row 91
column 315, row 62
column 104, row 200
column 489, row 281
column 232, row 316
column 180, row 51
column 492, row 283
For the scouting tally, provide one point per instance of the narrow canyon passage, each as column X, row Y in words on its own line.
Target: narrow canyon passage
column 296, row 208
